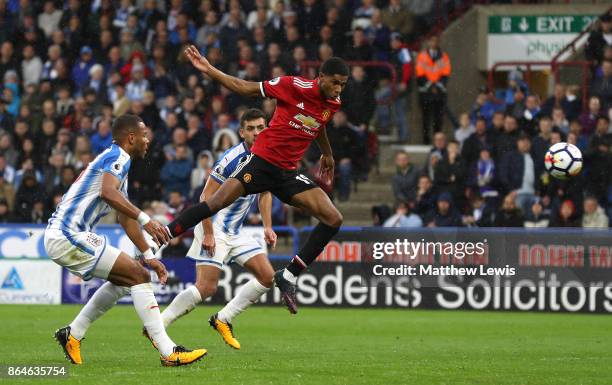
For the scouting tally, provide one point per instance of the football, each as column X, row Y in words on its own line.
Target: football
column 563, row 160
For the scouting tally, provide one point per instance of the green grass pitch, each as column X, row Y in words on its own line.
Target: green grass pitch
column 325, row 346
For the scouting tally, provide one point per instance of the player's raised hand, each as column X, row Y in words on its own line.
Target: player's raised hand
column 158, row 268
column 209, row 244
column 157, row 231
column 270, row 237
column 197, row 59
column 326, row 168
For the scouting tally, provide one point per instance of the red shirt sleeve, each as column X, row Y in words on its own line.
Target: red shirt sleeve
column 278, row 88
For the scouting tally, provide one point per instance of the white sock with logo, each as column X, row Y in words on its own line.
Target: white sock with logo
column 248, row 295
column 103, row 299
column 182, row 304
column 148, row 310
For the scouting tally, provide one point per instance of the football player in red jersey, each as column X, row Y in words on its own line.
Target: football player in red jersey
column 303, row 108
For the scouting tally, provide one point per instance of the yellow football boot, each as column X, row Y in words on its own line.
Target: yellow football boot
column 226, row 331
column 181, row 356
column 71, row 346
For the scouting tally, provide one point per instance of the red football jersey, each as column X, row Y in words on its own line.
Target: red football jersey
column 300, row 115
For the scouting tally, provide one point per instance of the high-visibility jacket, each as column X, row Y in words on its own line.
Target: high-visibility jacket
column 432, row 70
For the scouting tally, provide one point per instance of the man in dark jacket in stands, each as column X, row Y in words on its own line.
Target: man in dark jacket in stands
column 517, row 173
column 479, row 140
column 444, row 215
column 405, row 179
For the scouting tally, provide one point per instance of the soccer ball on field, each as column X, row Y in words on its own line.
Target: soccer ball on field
column 563, row 160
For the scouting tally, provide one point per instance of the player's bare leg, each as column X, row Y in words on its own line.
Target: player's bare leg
column 249, row 294
column 229, row 191
column 127, row 272
column 317, row 203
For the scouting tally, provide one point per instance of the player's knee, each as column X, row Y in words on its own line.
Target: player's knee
column 335, row 219
column 142, row 275
column 266, row 278
column 206, row 289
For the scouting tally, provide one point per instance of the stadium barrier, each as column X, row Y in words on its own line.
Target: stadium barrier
column 556, row 270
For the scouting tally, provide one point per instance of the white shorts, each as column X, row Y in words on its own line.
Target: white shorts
column 84, row 254
column 228, row 248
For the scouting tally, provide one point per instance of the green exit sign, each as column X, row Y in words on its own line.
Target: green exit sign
column 545, row 24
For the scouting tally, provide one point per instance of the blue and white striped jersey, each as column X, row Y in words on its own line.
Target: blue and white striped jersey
column 82, row 207
column 230, row 219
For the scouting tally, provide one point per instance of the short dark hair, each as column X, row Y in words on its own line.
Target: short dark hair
column 125, row 124
column 335, row 66
column 251, row 114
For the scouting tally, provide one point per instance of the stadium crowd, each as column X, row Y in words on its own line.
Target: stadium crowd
column 69, row 67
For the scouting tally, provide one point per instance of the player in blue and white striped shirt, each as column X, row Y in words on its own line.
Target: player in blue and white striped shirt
column 70, row 242
column 220, row 241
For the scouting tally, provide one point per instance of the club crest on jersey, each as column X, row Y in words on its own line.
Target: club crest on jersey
column 307, row 121
column 325, row 114
column 247, row 178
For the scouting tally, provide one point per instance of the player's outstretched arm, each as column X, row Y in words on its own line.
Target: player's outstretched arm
column 209, row 235
column 242, row 87
column 265, row 208
column 115, row 199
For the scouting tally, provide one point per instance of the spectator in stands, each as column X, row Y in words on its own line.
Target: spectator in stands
column 529, row 120
column 138, row 85
column 559, row 122
column 601, row 135
column 102, row 139
column 433, row 68
column 179, row 138
column 480, row 139
column 536, row 216
column 345, row 147
column 444, row 215
column 406, row 177
column 403, row 217
column 28, row 194
column 200, row 173
column 380, row 213
column 557, row 100
column 465, row 129
column 8, row 152
column 598, row 176
column 450, row 174
column 506, row 141
column 31, row 65
column 80, row 70
column 588, row 119
column 572, row 105
column 176, row 172
column 399, row 19
column 485, row 106
column 68, row 176
column 358, row 98
column 593, row 215
column 144, row 174
column 599, row 38
column 425, row 199
column 567, row 216
column 402, row 61
column 602, row 86
column 517, row 174
column 509, row 215
column 541, row 143
column 360, row 48
column 485, row 177
column 223, row 140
